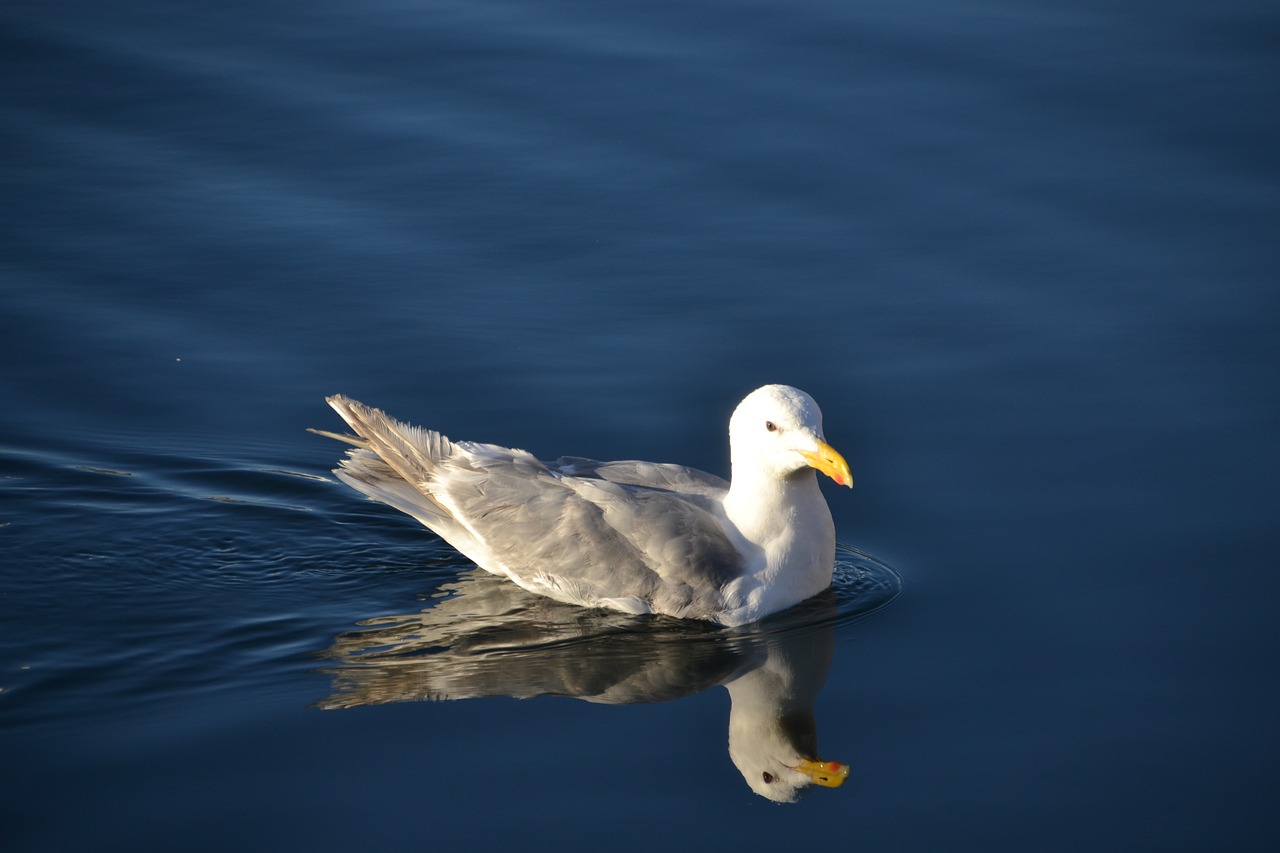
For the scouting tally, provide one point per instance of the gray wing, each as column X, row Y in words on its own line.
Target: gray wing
column 590, row 540
column 638, row 537
column 653, row 475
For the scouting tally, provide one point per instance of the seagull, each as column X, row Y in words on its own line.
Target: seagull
column 637, row 537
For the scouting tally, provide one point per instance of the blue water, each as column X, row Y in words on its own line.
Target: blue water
column 1023, row 254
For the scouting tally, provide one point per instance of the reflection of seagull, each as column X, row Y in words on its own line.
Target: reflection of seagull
column 638, row 537
column 491, row 639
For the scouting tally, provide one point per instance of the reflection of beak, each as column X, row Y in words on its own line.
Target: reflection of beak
column 826, row 460
column 828, row 774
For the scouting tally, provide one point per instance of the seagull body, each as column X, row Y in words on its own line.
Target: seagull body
column 639, row 537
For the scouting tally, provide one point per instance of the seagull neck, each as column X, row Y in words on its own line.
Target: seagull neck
column 764, row 507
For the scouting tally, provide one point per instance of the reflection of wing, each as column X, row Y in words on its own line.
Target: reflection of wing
column 493, row 639
column 635, row 536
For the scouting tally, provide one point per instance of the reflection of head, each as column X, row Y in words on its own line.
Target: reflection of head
column 773, row 739
column 772, row 758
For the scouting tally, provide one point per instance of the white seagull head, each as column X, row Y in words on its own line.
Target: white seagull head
column 776, row 431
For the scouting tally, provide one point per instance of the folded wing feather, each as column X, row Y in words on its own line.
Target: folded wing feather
column 639, row 536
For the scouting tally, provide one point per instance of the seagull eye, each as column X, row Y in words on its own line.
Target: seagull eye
column 767, row 777
column 770, row 426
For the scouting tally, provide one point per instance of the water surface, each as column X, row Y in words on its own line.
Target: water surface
column 1023, row 255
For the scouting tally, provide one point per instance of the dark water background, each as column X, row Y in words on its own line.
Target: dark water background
column 1023, row 254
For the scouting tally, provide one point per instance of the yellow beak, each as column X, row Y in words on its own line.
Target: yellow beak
column 828, row 774
column 826, row 460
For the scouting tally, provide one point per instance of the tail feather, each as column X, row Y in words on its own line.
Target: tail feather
column 412, row 452
column 393, row 462
column 353, row 440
